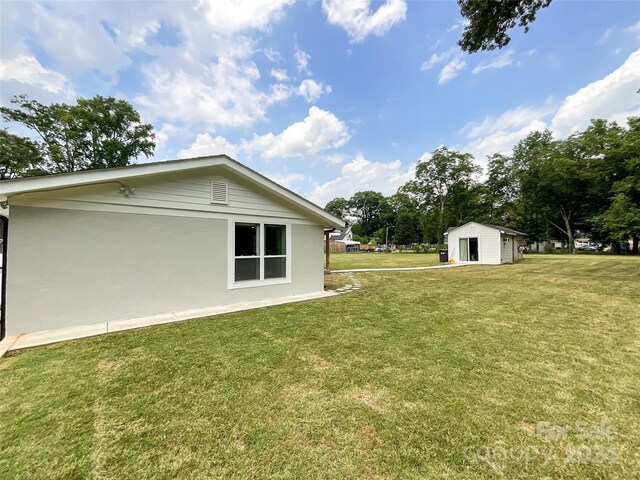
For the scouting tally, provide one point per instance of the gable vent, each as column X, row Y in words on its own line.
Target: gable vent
column 219, row 192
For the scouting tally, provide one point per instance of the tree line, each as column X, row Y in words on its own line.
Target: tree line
column 549, row 188
column 93, row 133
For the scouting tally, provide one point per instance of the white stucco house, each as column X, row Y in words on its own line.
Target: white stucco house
column 94, row 251
column 483, row 243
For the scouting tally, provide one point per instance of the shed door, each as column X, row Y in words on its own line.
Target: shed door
column 506, row 249
column 469, row 249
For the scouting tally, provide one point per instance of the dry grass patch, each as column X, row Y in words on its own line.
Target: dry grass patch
column 333, row 281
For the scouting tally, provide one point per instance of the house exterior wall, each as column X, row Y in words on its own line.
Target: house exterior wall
column 86, row 255
column 488, row 243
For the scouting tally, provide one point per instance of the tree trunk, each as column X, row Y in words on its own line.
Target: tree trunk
column 441, row 226
column 566, row 216
column 635, row 244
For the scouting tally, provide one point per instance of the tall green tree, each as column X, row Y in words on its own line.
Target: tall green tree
column 488, row 21
column 406, row 219
column 19, row 156
column 501, row 190
column 621, row 220
column 338, row 207
column 95, row 133
column 614, row 173
column 440, row 178
column 371, row 210
column 528, row 157
column 407, row 227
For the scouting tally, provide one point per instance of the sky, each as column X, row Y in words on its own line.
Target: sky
column 325, row 97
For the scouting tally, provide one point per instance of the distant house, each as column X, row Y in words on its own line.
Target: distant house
column 86, row 251
column 345, row 236
column 340, row 234
column 484, row 243
column 540, row 246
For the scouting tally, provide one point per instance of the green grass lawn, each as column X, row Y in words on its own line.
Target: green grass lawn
column 427, row 374
column 344, row 261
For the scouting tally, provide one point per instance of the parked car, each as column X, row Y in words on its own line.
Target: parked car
column 587, row 247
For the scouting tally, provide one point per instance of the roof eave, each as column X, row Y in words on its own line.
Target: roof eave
column 92, row 177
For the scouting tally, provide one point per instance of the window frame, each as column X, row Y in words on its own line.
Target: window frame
column 231, row 254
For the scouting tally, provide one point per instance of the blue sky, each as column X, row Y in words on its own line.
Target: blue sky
column 327, row 98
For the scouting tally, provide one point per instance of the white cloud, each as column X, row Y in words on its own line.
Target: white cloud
column 612, row 97
column 334, row 158
column 501, row 61
column 168, row 132
column 138, row 36
column 509, row 120
column 362, row 174
column 78, row 43
column 287, row 180
column 220, row 93
column 232, row 16
column 311, row 90
column 302, row 61
column 280, row 92
column 500, row 141
column 357, row 19
column 605, row 36
column 459, row 24
column 320, row 130
column 451, row 70
column 437, row 58
column 635, row 28
column 199, row 74
column 272, row 55
column 27, row 70
column 206, row 145
column 279, row 75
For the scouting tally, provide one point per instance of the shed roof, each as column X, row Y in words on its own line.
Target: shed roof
column 505, row 230
column 8, row 188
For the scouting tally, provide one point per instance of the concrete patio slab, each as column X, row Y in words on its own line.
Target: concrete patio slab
column 6, row 344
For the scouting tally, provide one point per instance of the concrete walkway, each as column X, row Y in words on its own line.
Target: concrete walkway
column 399, row 269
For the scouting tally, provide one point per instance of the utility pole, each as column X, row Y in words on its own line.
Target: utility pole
column 386, row 240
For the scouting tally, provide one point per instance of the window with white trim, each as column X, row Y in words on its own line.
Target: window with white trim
column 260, row 252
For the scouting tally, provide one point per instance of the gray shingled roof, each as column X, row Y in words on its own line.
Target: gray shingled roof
column 508, row 230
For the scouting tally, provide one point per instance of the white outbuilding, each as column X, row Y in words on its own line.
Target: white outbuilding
column 98, row 251
column 484, row 243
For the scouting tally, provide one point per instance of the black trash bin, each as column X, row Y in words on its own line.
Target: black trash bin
column 444, row 256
